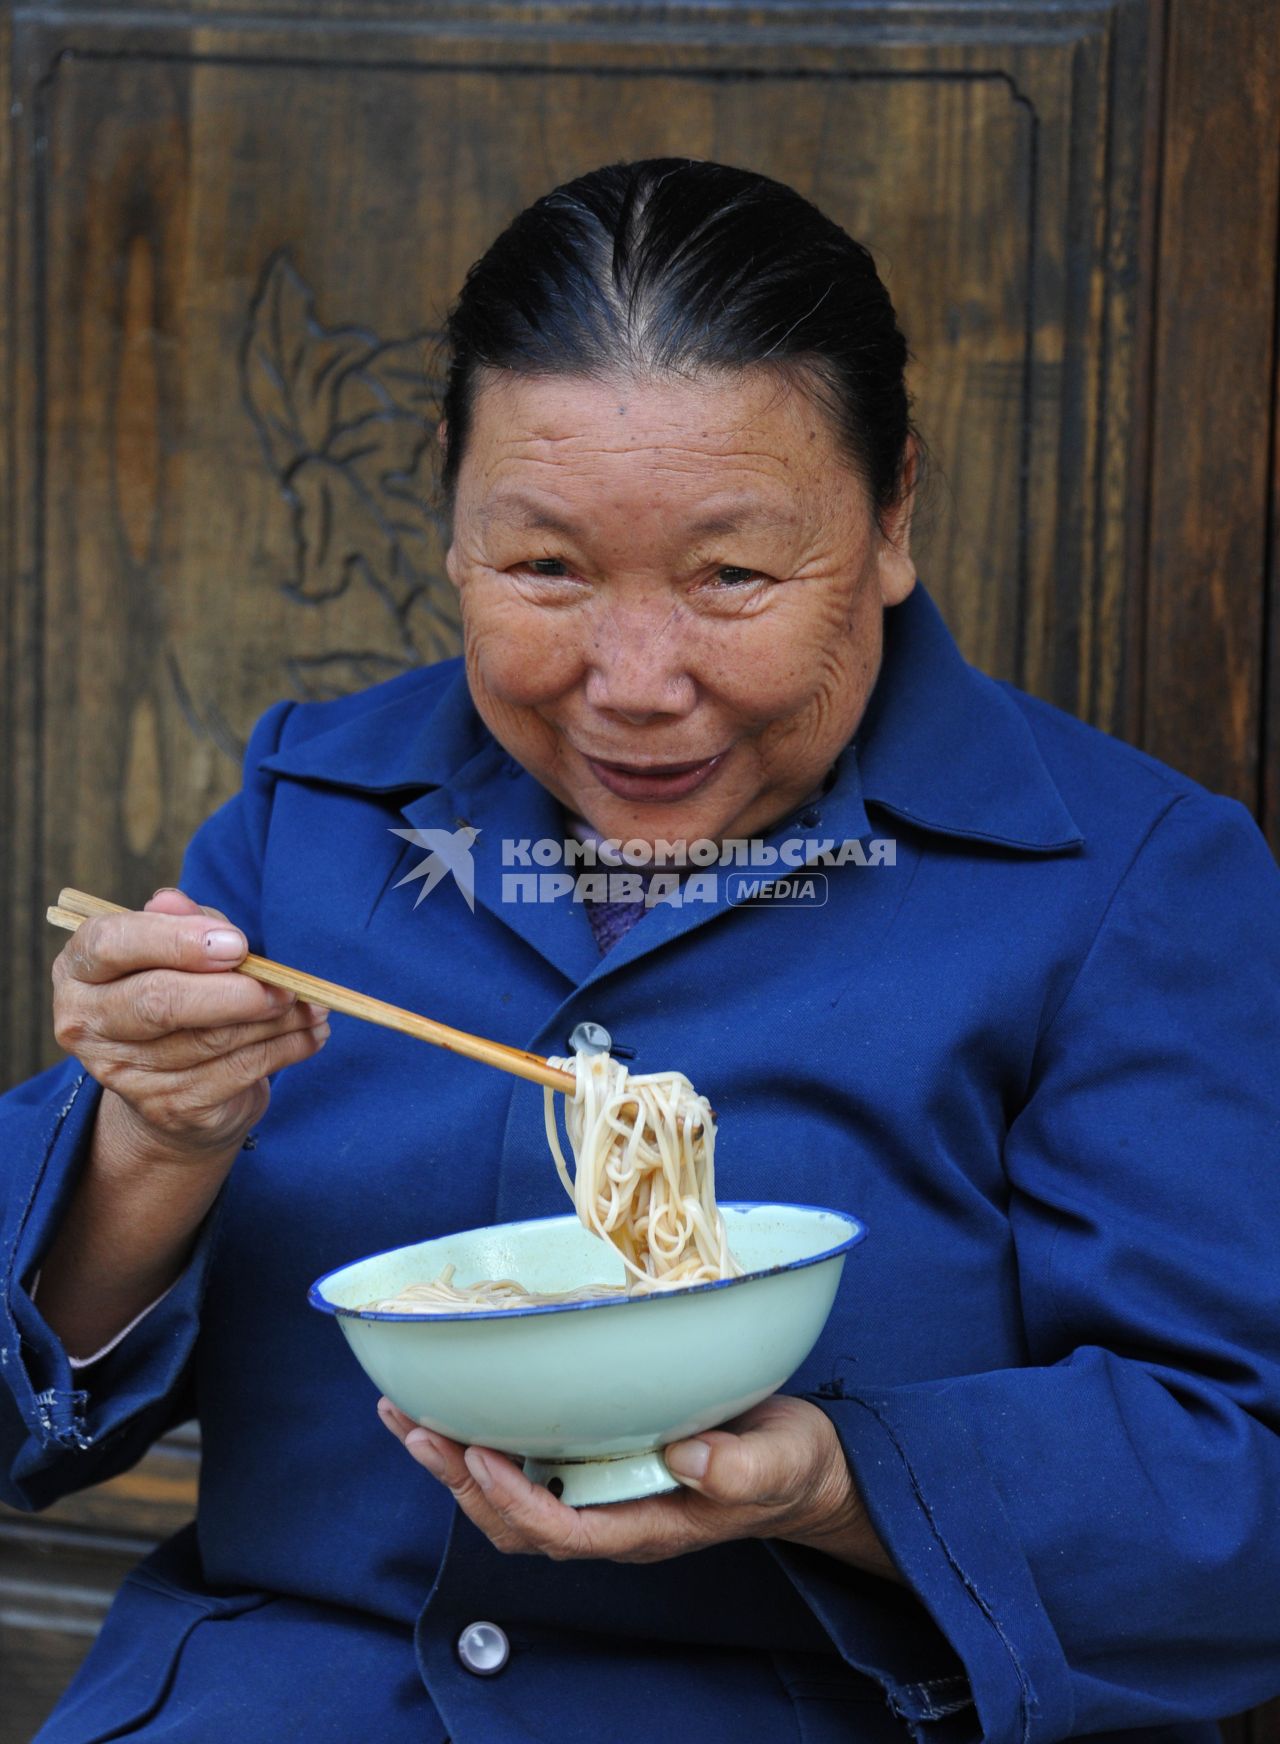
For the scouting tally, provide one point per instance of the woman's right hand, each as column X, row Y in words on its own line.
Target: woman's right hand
column 147, row 1003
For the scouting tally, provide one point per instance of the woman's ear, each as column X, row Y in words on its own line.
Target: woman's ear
column 450, row 568
column 897, row 521
column 897, row 571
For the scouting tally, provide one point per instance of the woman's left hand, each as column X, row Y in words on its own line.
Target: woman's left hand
column 776, row 1472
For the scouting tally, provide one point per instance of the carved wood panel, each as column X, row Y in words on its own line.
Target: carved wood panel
column 235, row 232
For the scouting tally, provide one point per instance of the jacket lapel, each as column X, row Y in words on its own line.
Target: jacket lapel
column 941, row 747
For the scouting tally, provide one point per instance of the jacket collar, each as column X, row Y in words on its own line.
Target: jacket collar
column 420, row 736
column 940, row 746
column 947, row 749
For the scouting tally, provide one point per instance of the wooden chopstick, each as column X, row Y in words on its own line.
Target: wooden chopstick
column 76, row 906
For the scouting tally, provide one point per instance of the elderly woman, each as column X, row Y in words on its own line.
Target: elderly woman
column 1027, row 1487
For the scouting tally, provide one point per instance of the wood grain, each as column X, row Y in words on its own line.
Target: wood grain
column 1269, row 755
column 1214, row 393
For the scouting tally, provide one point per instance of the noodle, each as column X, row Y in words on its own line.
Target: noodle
column 644, row 1155
column 643, row 1180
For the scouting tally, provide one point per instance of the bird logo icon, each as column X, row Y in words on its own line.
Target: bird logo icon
column 449, row 851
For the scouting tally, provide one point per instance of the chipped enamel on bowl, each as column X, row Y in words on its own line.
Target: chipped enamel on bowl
column 587, row 1393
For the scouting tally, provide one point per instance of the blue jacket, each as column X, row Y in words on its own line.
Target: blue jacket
column 1035, row 1048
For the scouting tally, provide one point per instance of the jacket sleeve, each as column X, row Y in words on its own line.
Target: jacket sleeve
column 62, row 1429
column 1097, row 1534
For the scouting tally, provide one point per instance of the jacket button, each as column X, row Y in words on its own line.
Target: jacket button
column 483, row 1649
column 589, row 1038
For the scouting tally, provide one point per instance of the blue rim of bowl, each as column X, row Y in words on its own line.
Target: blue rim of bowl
column 859, row 1230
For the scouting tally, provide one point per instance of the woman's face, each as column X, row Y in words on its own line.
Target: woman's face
column 671, row 595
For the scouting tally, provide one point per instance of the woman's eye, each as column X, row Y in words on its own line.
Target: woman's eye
column 731, row 575
column 547, row 566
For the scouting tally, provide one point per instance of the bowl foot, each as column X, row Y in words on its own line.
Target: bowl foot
column 586, row 1483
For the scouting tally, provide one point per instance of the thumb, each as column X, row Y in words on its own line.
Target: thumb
column 726, row 1467
column 169, row 900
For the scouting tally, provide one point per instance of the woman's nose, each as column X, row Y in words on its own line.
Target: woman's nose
column 636, row 671
column 635, row 687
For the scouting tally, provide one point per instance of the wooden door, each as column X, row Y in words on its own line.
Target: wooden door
column 235, row 229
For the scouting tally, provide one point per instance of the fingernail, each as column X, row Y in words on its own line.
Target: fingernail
column 222, row 942
column 318, row 1012
column 166, row 890
column 321, row 1032
column 688, row 1459
column 479, row 1468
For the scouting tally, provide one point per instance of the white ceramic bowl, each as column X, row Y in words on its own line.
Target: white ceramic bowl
column 588, row 1392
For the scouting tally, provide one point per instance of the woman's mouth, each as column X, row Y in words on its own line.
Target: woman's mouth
column 654, row 781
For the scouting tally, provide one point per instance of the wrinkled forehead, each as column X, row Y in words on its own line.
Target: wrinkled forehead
column 730, row 453
column 510, row 508
column 713, row 409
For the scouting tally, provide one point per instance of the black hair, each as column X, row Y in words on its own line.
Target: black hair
column 679, row 266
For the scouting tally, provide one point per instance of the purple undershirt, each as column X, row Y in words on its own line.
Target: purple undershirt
column 612, row 921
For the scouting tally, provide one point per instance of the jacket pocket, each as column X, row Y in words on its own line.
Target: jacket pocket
column 123, row 1681
column 834, row 1704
